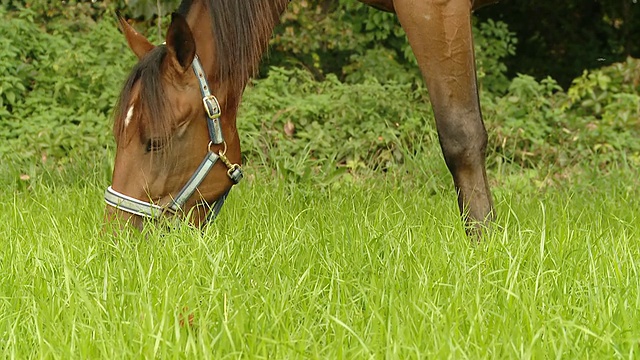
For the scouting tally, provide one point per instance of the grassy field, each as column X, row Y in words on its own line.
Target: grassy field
column 370, row 267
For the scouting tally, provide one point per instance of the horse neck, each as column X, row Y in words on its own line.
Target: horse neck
column 242, row 50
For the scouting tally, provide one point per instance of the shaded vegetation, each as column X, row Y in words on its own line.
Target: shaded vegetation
column 351, row 97
column 562, row 38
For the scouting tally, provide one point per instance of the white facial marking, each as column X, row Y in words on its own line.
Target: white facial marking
column 127, row 120
column 182, row 128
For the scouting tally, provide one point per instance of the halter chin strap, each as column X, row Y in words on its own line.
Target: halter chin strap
column 234, row 171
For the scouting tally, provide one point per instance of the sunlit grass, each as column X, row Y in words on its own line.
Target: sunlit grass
column 367, row 268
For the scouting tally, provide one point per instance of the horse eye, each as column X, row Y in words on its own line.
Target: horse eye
column 154, row 145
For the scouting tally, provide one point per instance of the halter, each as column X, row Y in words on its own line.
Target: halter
column 234, row 171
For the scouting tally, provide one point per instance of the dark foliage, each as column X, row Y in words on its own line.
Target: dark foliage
column 562, row 38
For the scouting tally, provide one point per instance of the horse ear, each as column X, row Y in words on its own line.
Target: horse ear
column 137, row 43
column 180, row 43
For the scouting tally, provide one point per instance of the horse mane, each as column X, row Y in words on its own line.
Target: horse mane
column 241, row 30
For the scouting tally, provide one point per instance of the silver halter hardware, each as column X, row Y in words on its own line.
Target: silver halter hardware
column 234, row 171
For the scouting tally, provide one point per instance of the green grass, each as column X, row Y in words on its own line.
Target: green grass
column 373, row 267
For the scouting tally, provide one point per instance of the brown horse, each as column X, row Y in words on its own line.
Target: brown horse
column 168, row 121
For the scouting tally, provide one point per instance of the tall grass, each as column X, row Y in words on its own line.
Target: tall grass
column 364, row 267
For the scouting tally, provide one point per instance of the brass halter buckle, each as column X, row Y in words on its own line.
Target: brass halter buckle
column 211, row 106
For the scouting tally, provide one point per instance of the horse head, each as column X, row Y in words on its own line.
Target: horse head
column 177, row 145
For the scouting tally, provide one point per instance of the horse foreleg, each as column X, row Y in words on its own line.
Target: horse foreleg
column 439, row 32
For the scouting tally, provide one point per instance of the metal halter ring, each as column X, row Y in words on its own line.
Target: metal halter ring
column 224, row 150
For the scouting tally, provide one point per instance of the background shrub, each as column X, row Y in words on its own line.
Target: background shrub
column 60, row 78
column 59, row 86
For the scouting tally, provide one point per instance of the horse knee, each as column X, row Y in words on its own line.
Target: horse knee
column 463, row 143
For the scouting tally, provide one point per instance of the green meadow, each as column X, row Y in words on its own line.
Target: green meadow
column 370, row 266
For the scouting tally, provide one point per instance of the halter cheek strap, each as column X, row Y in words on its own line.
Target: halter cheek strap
column 234, row 171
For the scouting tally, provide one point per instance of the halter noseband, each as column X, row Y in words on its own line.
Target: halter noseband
column 234, row 171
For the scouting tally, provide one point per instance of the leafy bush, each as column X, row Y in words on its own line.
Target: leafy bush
column 521, row 122
column 606, row 102
column 47, row 10
column 354, row 125
column 58, row 89
column 493, row 42
column 53, row 11
column 597, row 119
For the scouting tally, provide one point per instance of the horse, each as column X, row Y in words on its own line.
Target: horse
column 177, row 145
